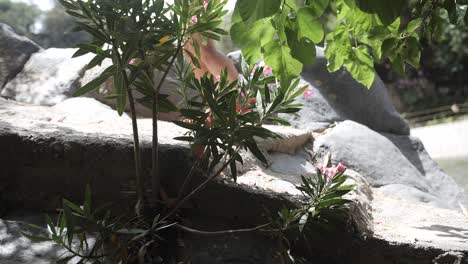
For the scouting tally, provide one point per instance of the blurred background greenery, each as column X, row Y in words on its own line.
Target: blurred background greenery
column 439, row 89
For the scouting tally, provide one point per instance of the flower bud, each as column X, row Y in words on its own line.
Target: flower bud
column 340, row 168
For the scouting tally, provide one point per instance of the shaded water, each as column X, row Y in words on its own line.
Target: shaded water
column 457, row 168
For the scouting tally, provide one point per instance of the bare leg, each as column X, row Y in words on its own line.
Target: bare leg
column 211, row 61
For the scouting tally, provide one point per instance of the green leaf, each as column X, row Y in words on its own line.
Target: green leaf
column 232, row 166
column 338, row 48
column 34, row 238
column 386, row 10
column 412, row 52
column 389, row 46
column 97, row 60
column 257, row 9
column 131, row 231
column 120, row 91
column 188, row 139
column 251, row 37
column 309, row 26
column 252, row 146
column 72, row 206
column 193, row 58
column 361, row 66
column 303, row 221
column 96, row 83
column 93, row 31
column 413, row 25
column 68, row 5
column 279, row 121
column 284, row 65
column 87, row 201
column 333, row 202
column 303, row 50
column 317, row 6
column 70, row 223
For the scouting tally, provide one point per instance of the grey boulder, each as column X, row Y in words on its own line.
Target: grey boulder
column 15, row 50
column 396, row 164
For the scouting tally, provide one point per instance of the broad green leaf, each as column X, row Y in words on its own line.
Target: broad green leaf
column 389, row 46
column 386, row 10
column 375, row 45
column 284, row 65
column 308, row 25
column 257, row 9
column 338, row 48
column 413, row 25
column 317, row 6
column 413, row 52
column 361, row 66
column 251, row 37
column 395, row 26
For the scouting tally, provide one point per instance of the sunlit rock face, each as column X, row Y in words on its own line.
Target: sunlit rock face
column 49, row 77
column 15, row 50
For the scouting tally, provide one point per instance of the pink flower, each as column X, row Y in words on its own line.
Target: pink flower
column 238, row 108
column 205, row 4
column 340, row 168
column 322, row 169
column 267, row 71
column 132, row 61
column 194, row 19
column 217, row 78
column 330, row 172
column 208, row 120
column 308, row 92
column 251, row 101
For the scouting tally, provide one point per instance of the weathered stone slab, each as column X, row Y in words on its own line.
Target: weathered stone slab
column 59, row 152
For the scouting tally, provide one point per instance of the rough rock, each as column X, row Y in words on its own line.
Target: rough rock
column 338, row 97
column 15, row 50
column 61, row 155
column 397, row 164
column 16, row 249
column 49, row 77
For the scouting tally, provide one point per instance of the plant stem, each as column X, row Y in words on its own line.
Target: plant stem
column 136, row 138
column 209, row 233
column 155, row 175
column 136, row 153
column 200, row 187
